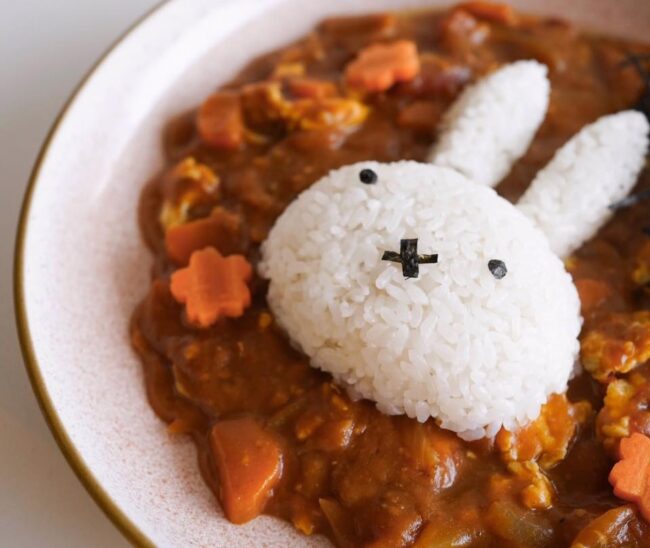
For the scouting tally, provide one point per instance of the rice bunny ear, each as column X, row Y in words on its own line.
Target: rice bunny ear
column 492, row 123
column 575, row 194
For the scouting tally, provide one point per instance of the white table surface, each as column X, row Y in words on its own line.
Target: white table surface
column 46, row 46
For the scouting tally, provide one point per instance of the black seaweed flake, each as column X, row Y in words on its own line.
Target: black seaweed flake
column 408, row 256
column 630, row 200
column 368, row 176
column 497, row 268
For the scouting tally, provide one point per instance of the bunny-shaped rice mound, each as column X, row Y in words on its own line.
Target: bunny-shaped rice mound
column 479, row 324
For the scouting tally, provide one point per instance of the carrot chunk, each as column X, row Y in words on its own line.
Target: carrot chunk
column 379, row 66
column 219, row 121
column 630, row 476
column 249, row 463
column 212, row 286
column 222, row 230
column 490, row 11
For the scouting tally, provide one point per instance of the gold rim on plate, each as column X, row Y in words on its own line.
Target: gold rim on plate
column 75, row 460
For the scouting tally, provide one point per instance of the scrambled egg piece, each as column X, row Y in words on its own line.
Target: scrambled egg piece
column 187, row 184
column 626, row 409
column 266, row 103
column 617, row 345
column 538, row 493
column 546, row 439
column 540, row 445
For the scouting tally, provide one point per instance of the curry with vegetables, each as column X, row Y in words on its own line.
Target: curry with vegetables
column 277, row 436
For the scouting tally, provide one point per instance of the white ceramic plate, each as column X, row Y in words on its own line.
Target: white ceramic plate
column 81, row 266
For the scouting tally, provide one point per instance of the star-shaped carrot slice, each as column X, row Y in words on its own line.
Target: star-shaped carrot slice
column 630, row 476
column 212, row 286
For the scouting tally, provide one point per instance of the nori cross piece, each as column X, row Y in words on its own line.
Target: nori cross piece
column 408, row 256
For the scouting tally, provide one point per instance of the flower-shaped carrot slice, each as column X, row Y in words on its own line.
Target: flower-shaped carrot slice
column 379, row 66
column 630, row 476
column 212, row 286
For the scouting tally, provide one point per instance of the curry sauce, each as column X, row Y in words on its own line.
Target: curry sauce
column 325, row 463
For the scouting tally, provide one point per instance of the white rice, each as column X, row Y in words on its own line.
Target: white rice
column 455, row 343
column 570, row 198
column 493, row 122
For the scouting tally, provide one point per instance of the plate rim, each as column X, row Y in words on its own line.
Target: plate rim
column 111, row 509
column 84, row 474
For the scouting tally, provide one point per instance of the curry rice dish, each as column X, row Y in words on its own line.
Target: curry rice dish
column 367, row 341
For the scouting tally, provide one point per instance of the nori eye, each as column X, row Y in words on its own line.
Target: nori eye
column 367, row 176
column 497, row 268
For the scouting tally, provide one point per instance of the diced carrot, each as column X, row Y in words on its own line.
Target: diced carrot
column 212, row 286
column 491, row 11
column 592, row 293
column 219, row 121
column 379, row 66
column 311, row 88
column 249, row 463
column 630, row 476
column 222, row 230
